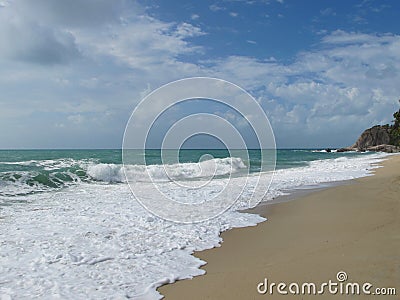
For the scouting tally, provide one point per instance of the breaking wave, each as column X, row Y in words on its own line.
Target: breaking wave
column 32, row 176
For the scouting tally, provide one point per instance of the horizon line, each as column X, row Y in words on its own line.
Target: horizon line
column 120, row 149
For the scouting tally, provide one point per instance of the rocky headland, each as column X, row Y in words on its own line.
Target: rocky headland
column 383, row 138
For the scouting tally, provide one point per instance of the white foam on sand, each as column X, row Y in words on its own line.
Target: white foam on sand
column 94, row 241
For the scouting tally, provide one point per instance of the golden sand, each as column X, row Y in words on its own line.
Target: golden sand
column 352, row 228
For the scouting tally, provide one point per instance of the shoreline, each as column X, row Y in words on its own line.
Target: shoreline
column 309, row 236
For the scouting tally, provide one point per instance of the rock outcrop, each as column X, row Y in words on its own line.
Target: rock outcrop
column 346, row 149
column 384, row 138
column 385, row 148
column 376, row 138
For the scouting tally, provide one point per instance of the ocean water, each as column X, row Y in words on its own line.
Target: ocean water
column 71, row 228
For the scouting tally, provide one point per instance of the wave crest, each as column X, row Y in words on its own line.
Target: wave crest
column 55, row 174
column 214, row 167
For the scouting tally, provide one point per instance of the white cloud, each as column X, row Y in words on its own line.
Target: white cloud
column 342, row 37
column 327, row 12
column 4, row 3
column 60, row 65
column 347, row 83
column 76, row 119
column 144, row 43
column 24, row 40
column 214, row 7
column 75, row 13
column 185, row 30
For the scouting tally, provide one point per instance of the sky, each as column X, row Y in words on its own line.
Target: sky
column 71, row 72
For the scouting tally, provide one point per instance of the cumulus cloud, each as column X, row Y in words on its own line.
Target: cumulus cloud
column 30, row 41
column 74, row 13
column 44, row 31
column 94, row 57
column 185, row 30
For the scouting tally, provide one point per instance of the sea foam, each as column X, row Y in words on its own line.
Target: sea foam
column 167, row 172
column 94, row 241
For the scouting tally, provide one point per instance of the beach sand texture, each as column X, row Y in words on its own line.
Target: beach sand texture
column 352, row 228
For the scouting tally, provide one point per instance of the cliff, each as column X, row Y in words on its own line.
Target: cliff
column 377, row 138
column 374, row 136
column 384, row 138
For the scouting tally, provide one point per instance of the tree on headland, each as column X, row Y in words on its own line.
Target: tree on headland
column 396, row 120
column 395, row 129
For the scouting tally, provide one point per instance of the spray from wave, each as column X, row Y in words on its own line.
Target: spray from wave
column 161, row 173
column 33, row 176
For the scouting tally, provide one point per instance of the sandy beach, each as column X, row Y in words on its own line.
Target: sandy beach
column 352, row 228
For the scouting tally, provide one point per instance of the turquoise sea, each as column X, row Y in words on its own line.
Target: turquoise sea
column 31, row 171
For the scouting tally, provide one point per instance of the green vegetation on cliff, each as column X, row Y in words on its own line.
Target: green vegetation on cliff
column 394, row 130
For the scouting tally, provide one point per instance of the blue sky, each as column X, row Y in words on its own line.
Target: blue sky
column 71, row 72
